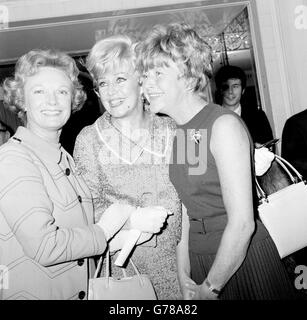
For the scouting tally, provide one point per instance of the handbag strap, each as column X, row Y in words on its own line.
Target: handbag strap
column 107, row 273
column 283, row 163
column 98, row 267
column 260, row 192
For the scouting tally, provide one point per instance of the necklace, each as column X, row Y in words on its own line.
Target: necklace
column 132, row 141
column 114, row 148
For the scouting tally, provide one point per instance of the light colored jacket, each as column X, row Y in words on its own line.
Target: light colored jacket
column 46, row 222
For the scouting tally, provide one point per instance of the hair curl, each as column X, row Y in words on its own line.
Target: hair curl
column 181, row 44
column 28, row 65
column 110, row 53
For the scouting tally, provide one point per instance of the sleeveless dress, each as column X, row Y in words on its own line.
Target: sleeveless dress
column 262, row 276
column 101, row 154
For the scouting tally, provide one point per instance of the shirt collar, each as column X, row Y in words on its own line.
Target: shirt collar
column 51, row 152
column 238, row 110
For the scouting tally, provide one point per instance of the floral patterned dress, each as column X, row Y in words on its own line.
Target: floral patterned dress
column 117, row 169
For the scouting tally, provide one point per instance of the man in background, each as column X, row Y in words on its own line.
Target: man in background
column 231, row 85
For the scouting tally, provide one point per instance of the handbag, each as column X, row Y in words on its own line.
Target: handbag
column 137, row 287
column 284, row 213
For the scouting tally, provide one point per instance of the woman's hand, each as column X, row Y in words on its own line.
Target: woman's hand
column 202, row 292
column 113, row 219
column 188, row 287
column 149, row 219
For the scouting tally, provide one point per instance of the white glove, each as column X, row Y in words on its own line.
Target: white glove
column 149, row 219
column 263, row 160
column 113, row 219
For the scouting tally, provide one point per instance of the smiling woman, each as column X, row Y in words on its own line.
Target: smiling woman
column 224, row 252
column 48, row 102
column 49, row 231
column 124, row 157
column 39, row 63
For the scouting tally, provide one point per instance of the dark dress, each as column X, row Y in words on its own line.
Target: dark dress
column 261, row 275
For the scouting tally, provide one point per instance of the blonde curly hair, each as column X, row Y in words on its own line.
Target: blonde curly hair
column 109, row 53
column 181, row 44
column 28, row 65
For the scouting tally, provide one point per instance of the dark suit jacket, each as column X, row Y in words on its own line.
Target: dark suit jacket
column 294, row 142
column 257, row 123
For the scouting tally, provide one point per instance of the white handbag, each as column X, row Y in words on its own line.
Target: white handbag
column 137, row 287
column 284, row 213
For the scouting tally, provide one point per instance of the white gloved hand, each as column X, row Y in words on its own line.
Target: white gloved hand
column 113, row 219
column 149, row 219
column 263, row 160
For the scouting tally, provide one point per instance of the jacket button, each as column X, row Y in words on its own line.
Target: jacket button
column 67, row 171
column 80, row 262
column 80, row 199
column 81, row 295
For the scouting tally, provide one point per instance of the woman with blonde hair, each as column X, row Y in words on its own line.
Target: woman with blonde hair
column 223, row 251
column 124, row 156
column 46, row 212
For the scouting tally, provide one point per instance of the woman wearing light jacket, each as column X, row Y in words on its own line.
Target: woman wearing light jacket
column 47, row 233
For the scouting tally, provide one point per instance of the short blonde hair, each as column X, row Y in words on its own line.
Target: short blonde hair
column 28, row 65
column 109, row 53
column 180, row 43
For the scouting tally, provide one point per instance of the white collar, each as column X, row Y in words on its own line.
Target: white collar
column 238, row 110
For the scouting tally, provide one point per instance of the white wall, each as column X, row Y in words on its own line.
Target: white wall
column 284, row 45
column 285, row 53
column 56, row 8
column 293, row 24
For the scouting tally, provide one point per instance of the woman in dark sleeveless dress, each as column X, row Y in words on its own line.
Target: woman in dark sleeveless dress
column 224, row 252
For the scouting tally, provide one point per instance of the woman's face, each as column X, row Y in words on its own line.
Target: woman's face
column 48, row 98
column 164, row 87
column 119, row 91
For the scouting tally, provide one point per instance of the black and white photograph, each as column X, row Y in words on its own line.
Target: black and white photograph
column 153, row 153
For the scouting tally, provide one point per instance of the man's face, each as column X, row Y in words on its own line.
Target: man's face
column 232, row 93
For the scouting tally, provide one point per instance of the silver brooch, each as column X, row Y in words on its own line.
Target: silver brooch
column 195, row 136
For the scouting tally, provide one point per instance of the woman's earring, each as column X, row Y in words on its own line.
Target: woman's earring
column 25, row 110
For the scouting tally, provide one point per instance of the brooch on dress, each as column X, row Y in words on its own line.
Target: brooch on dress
column 195, row 136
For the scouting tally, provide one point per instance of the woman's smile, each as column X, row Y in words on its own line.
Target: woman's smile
column 51, row 112
column 114, row 103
